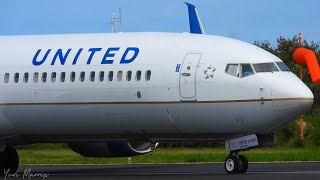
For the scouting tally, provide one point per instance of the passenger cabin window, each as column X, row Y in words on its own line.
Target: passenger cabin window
column 35, row 77
column 92, row 75
column 246, row 70
column 63, row 77
column 82, row 76
column 44, row 77
column 283, row 66
column 110, row 76
column 26, row 77
column 16, row 77
column 6, row 78
column 148, row 75
column 233, row 69
column 265, row 67
column 119, row 76
column 101, row 76
column 53, row 77
column 129, row 75
column 138, row 75
column 72, row 76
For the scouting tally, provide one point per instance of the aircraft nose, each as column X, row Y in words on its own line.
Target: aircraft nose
column 290, row 97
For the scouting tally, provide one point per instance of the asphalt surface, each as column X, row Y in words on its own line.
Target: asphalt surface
column 260, row 171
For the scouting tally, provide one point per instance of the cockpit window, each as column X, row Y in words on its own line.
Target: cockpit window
column 265, row 67
column 283, row 66
column 246, row 70
column 239, row 70
column 233, row 69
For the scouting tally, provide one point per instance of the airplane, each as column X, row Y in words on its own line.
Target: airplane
column 119, row 95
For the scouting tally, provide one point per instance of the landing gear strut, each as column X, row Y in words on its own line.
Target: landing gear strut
column 236, row 164
column 9, row 160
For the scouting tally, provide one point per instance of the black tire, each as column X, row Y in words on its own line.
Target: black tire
column 4, row 159
column 232, row 165
column 9, row 160
column 13, row 160
column 244, row 164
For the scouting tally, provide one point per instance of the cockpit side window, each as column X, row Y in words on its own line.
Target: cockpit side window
column 233, row 69
column 265, row 67
column 246, row 70
column 239, row 70
column 283, row 66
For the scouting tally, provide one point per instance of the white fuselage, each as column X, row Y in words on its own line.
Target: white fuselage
column 189, row 95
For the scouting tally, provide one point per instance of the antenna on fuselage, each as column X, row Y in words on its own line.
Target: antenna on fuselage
column 116, row 21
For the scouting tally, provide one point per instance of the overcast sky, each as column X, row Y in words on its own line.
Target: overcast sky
column 247, row 20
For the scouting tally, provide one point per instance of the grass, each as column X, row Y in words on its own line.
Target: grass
column 61, row 155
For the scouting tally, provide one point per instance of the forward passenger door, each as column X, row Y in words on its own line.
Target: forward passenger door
column 188, row 76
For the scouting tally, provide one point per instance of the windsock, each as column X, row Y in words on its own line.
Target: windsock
column 308, row 57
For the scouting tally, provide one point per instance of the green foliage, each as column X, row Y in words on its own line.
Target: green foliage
column 313, row 128
column 284, row 136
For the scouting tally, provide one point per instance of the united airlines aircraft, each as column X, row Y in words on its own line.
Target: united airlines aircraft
column 119, row 95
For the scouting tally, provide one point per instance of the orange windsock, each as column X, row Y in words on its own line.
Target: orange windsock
column 308, row 57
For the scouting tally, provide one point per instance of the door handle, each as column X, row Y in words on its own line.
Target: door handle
column 186, row 74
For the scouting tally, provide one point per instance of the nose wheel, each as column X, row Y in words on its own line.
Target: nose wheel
column 235, row 164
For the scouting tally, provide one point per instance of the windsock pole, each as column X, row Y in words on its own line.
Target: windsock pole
column 301, row 77
column 301, row 117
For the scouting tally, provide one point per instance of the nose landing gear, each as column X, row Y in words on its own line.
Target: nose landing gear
column 238, row 163
column 9, row 160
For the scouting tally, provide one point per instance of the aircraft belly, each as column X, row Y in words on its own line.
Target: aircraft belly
column 6, row 127
column 223, row 118
column 90, row 119
column 180, row 118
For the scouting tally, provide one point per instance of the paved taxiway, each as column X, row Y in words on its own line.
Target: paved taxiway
column 260, row 171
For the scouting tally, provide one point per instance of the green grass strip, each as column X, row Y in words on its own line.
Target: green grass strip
column 166, row 155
